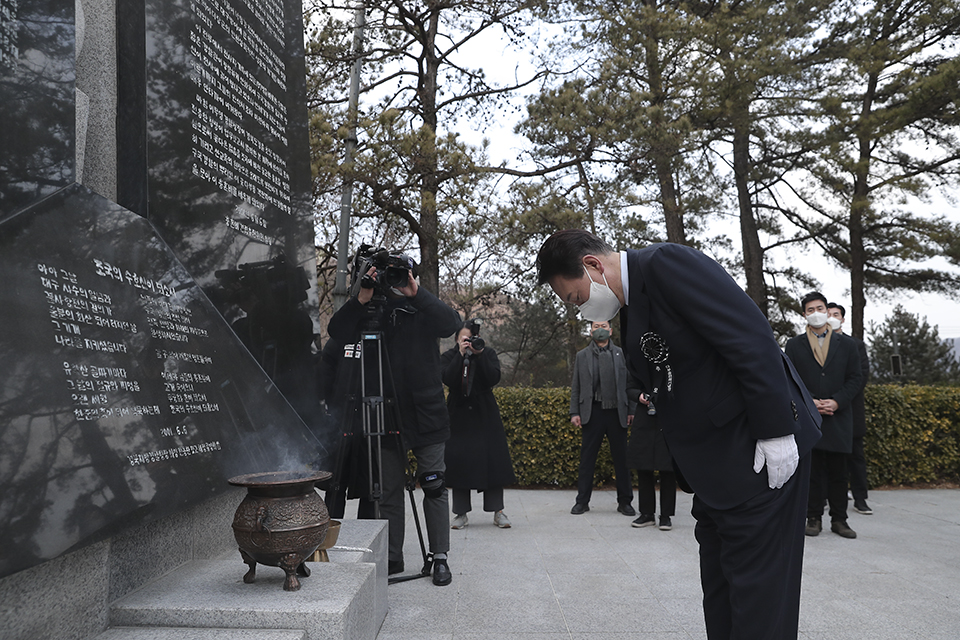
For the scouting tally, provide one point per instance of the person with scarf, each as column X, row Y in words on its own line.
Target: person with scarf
column 829, row 366
column 599, row 406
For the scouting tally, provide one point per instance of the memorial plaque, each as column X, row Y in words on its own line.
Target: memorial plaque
column 37, row 109
column 123, row 395
column 219, row 162
column 126, row 392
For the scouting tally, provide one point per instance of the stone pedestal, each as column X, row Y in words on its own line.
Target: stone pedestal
column 345, row 598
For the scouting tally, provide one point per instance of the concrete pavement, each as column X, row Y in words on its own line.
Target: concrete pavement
column 556, row 576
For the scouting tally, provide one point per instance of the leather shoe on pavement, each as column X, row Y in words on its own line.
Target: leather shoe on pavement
column 842, row 529
column 626, row 510
column 441, row 573
column 394, row 566
column 860, row 506
column 579, row 508
column 814, row 526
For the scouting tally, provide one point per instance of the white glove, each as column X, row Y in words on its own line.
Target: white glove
column 781, row 457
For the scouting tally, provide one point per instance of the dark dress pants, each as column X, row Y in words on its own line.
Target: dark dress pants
column 492, row 500
column 603, row 422
column 857, row 467
column 647, row 494
column 751, row 561
column 828, row 481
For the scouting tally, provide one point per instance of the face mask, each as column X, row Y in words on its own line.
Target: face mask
column 602, row 304
column 817, row 319
column 600, row 334
column 834, row 323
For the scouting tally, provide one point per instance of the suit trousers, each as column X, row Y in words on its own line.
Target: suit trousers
column 436, row 510
column 828, row 481
column 857, row 468
column 647, row 495
column 492, row 500
column 603, row 422
column 751, row 561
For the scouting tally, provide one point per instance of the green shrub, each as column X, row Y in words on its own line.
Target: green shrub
column 913, row 436
column 544, row 444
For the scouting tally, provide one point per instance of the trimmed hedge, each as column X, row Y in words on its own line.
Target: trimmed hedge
column 913, row 436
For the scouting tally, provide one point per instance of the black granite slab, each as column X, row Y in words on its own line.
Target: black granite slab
column 37, row 106
column 215, row 153
column 124, row 395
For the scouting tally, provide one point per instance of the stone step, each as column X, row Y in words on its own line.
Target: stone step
column 344, row 599
column 182, row 633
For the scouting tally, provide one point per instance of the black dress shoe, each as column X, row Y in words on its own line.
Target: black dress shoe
column 579, row 508
column 626, row 510
column 441, row 573
column 394, row 566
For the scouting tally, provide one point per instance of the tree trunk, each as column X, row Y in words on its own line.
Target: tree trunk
column 663, row 146
column 749, row 234
column 859, row 207
column 429, row 181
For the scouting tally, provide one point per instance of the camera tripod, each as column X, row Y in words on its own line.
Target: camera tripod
column 377, row 409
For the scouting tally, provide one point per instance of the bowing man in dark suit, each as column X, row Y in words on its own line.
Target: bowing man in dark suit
column 729, row 403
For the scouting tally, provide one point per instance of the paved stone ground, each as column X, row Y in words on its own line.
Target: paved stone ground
column 557, row 576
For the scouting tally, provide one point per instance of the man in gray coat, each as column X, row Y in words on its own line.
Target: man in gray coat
column 599, row 406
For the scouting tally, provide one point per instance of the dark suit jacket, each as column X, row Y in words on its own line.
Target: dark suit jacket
column 732, row 385
column 581, row 386
column 839, row 378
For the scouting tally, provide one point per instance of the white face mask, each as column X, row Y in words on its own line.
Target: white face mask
column 602, row 304
column 817, row 319
column 834, row 323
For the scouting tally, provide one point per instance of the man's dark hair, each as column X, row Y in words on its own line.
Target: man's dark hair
column 813, row 295
column 561, row 254
column 834, row 305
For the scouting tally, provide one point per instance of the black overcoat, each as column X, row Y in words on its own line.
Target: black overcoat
column 647, row 450
column 839, row 378
column 731, row 383
column 477, row 456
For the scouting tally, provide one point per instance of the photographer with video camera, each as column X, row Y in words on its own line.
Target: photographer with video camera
column 477, row 453
column 410, row 319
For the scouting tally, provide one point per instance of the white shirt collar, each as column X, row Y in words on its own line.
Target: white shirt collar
column 624, row 278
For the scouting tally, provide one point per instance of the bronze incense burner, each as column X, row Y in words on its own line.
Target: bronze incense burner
column 281, row 522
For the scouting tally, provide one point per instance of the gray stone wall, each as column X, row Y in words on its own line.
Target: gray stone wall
column 68, row 598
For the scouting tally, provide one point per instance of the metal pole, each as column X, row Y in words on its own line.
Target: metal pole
column 346, row 198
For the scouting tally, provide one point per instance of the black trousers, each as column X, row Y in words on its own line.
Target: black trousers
column 492, row 500
column 751, row 561
column 828, row 481
column 647, row 495
column 603, row 422
column 857, row 468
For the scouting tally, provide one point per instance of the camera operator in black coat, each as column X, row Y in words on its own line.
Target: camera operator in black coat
column 411, row 319
column 477, row 456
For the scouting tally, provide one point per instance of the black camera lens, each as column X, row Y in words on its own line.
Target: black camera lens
column 395, row 277
column 477, row 342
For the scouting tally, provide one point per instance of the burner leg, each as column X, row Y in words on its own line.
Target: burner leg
column 289, row 564
column 250, row 576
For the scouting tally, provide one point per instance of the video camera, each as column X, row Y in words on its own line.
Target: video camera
column 392, row 268
column 272, row 283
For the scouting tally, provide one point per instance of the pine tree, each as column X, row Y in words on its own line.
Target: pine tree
column 924, row 357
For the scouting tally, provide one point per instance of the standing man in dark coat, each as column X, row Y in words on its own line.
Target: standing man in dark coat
column 599, row 406
column 411, row 319
column 647, row 452
column 477, row 454
column 856, row 461
column 729, row 404
column 829, row 365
